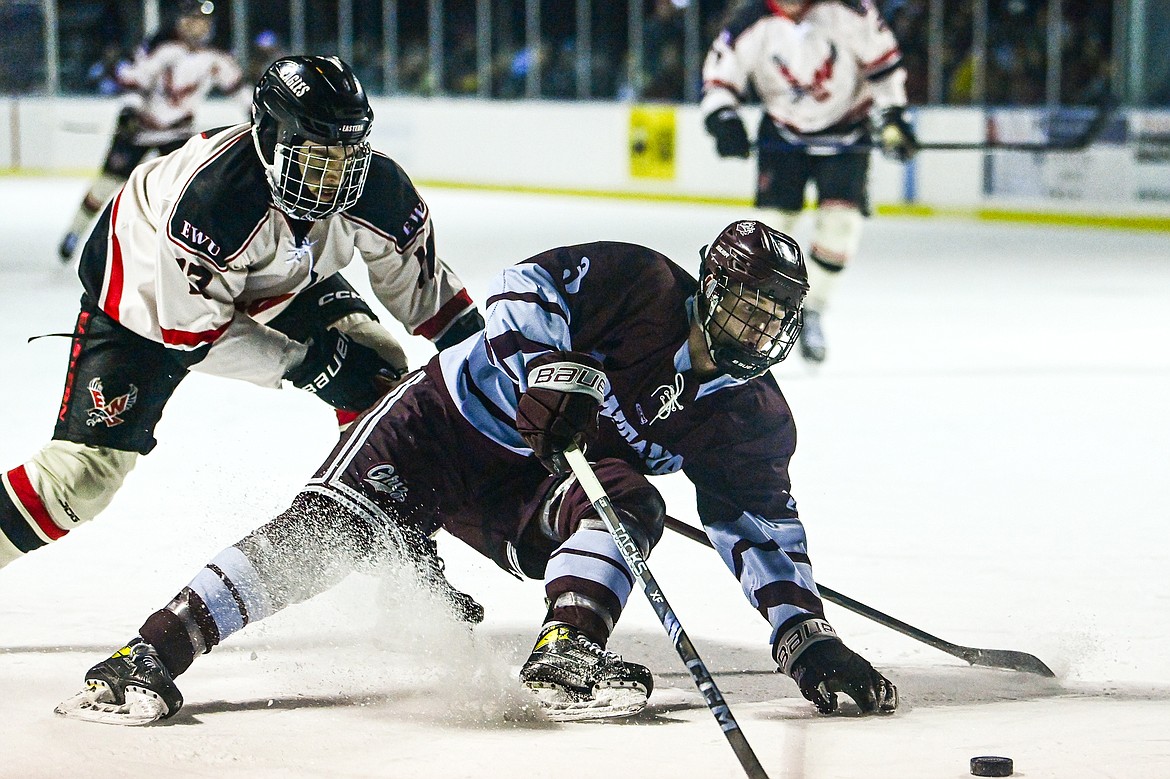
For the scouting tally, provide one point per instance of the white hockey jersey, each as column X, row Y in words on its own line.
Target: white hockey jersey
column 826, row 69
column 192, row 254
column 169, row 81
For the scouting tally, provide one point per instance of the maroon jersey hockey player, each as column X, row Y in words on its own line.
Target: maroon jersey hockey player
column 224, row 257
column 610, row 345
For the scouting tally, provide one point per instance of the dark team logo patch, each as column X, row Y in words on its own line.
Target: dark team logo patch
column 386, row 481
column 109, row 412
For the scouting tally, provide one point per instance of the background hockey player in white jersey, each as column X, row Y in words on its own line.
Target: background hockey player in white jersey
column 821, row 68
column 224, row 257
column 608, row 345
column 169, row 78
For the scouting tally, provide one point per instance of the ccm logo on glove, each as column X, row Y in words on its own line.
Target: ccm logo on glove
column 569, row 377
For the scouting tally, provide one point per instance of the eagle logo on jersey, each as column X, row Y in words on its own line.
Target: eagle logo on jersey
column 384, row 479
column 816, row 88
column 109, row 412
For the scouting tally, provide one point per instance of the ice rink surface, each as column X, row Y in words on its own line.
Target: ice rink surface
column 984, row 456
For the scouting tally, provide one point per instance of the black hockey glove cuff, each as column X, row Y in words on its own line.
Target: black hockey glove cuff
column 343, row 373
column 468, row 323
column 560, row 407
column 897, row 139
column 823, row 666
column 731, row 138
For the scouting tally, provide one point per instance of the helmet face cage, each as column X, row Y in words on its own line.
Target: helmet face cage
column 310, row 122
column 311, row 181
column 752, row 298
column 747, row 331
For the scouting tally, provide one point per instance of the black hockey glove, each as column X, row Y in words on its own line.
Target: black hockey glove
column 342, row 372
column 730, row 135
column 822, row 666
column 897, row 137
column 127, row 126
column 565, row 390
column 469, row 323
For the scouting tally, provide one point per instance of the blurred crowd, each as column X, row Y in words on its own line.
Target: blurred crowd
column 98, row 34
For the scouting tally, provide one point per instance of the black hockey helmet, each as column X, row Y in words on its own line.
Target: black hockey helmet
column 310, row 123
column 752, row 286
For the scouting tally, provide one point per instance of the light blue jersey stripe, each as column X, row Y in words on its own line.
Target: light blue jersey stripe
column 221, row 601
column 593, row 542
column 500, row 378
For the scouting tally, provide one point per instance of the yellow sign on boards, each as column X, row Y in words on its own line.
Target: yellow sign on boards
column 652, row 142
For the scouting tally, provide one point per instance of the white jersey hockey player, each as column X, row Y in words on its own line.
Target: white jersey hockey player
column 820, row 68
column 166, row 83
column 224, row 257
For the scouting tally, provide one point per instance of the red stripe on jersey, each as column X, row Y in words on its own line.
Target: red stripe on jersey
column 447, row 314
column 345, row 418
column 113, row 301
column 721, row 85
column 256, row 307
column 882, row 60
column 188, row 338
column 32, row 503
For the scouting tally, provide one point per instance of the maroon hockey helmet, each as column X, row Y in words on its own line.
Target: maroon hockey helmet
column 752, row 286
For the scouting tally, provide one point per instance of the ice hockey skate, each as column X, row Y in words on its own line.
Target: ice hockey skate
column 812, row 337
column 131, row 687
column 575, row 679
column 431, row 567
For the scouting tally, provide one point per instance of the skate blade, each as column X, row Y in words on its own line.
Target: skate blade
column 608, row 702
column 88, row 705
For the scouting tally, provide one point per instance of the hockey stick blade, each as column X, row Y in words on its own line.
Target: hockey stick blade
column 1007, row 659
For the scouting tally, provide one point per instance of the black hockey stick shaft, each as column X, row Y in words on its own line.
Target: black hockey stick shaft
column 1078, row 142
column 682, row 644
column 992, row 658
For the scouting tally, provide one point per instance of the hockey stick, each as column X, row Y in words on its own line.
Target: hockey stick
column 991, row 658
column 1079, row 142
column 682, row 644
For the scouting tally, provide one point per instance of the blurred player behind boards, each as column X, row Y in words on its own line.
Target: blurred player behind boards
column 169, row 79
column 820, row 67
column 225, row 257
column 606, row 345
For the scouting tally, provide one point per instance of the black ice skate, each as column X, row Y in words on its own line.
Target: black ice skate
column 575, row 679
column 812, row 338
column 430, row 572
column 131, row 687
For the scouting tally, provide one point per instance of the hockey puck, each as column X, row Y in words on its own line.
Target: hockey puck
column 990, row 765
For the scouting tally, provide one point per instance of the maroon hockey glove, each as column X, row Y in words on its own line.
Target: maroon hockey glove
column 342, row 372
column 822, row 666
column 565, row 390
column 730, row 136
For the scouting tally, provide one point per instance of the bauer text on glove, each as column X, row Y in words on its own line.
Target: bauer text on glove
column 343, row 373
column 823, row 666
column 560, row 407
